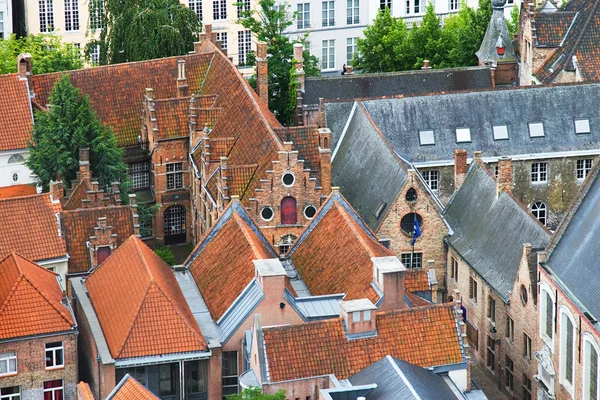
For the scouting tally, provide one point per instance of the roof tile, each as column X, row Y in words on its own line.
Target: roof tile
column 16, row 120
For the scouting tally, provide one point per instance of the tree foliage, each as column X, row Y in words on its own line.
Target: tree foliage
column 166, row 254
column 48, row 52
column 69, row 125
column 513, row 22
column 268, row 24
column 255, row 393
column 136, row 30
column 388, row 45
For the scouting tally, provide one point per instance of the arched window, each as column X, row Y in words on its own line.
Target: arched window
column 591, row 374
column 289, row 214
column 567, row 349
column 546, row 315
column 407, row 223
column 538, row 209
column 16, row 159
column 411, row 195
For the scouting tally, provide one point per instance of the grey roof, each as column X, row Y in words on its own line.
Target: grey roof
column 367, row 171
column 400, row 120
column 574, row 258
column 350, row 87
column 496, row 33
column 240, row 309
column 490, row 230
column 397, row 379
column 336, row 116
column 315, row 308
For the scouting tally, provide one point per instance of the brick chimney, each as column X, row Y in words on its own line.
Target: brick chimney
column 359, row 316
column 84, row 164
column 504, row 180
column 271, row 277
column 136, row 217
column 115, row 193
column 182, row 86
column 425, row 64
column 325, row 160
column 299, row 63
column 57, row 189
column 388, row 275
column 460, row 168
column 262, row 72
column 24, row 65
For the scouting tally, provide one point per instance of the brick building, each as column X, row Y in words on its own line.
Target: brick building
column 38, row 333
column 492, row 270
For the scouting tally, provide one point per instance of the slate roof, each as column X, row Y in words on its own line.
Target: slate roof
column 489, row 231
column 17, row 191
column 397, row 379
column 497, row 31
column 367, row 189
column 400, row 121
column 30, row 300
column 140, row 307
column 334, row 253
column 130, row 389
column 78, row 226
column 30, row 227
column 16, row 118
column 350, row 87
column 425, row 336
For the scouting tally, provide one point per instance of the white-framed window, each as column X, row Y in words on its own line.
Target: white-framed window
column 591, row 373
column 196, row 6
column 10, row 393
column 536, row 129
column 244, row 5
column 426, row 137
column 174, row 175
column 583, row 168
column 352, row 12
column 547, row 315
column 222, row 37
column 303, row 21
column 16, row 159
column 328, row 13
column 328, row 54
column 417, row 6
column 244, row 45
column 8, row 363
column 53, row 390
column 383, row 4
column 351, row 49
column 463, row 135
column 46, row 15
column 540, row 211
column 431, row 179
column 97, row 14
column 139, row 175
column 219, row 10
column 1, row 25
column 582, row 125
column 472, row 289
column 453, row 5
column 567, row 349
column 55, row 355
column 95, row 56
column 539, row 172
column 71, row 15
column 500, row 132
column 407, row 7
column 412, row 260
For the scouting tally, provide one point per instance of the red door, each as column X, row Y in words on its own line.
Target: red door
column 289, row 214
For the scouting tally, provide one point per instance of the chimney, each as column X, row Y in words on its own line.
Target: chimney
column 325, row 160
column 433, row 282
column 504, row 180
column 271, row 276
column 57, row 189
column 262, row 72
column 116, row 192
column 321, row 118
column 425, row 64
column 388, row 274
column 359, row 316
column 460, row 168
column 24, row 65
column 349, row 70
column 493, row 73
column 182, row 86
column 299, row 63
column 136, row 217
column 84, row 164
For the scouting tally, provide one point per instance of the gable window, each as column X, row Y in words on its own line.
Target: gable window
column 426, row 137
column 510, row 374
column 567, row 350
column 463, row 135
column 546, row 316
column 412, row 260
column 289, row 215
column 8, row 363
column 10, row 393
column 229, row 373
column 267, row 213
column 46, row 15
column 222, row 37
column 244, row 46
column 351, row 49
column 303, row 21
column 219, row 9
column 510, row 329
column 539, row 172
column 582, row 125
column 431, row 179
column 536, row 129
column 527, row 346
column 16, row 159
column 97, row 13
column 411, row 195
column 583, row 168
column 71, row 15
column 383, row 4
column 309, row 212
column 454, row 269
column 54, row 355
column 407, row 223
column 491, row 309
column 288, row 179
column 53, row 390
column 352, row 12
column 328, row 13
column 174, row 175
column 538, row 209
column 139, row 175
column 472, row 289
column 328, row 54
column 102, row 254
column 590, row 370
column 500, row 132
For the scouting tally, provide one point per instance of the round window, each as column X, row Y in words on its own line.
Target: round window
column 15, row 177
column 288, row 179
column 411, row 195
column 310, row 211
column 407, row 224
column 267, row 213
column 524, row 294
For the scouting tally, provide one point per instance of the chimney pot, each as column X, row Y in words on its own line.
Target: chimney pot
column 425, row 64
column 298, row 52
column 24, row 65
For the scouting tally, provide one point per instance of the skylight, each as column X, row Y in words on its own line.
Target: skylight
column 536, row 129
column 582, row 125
column 500, row 132
column 426, row 138
column 463, row 135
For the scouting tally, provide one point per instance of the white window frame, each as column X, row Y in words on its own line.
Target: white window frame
column 327, row 13
column 583, row 168
column 537, row 174
column 95, row 55
column 453, row 5
column 463, row 135
column 426, row 137
column 176, row 174
column 549, row 340
column 46, row 15
column 52, row 390
column 244, row 5
column 537, row 208
column 536, row 129
column 222, row 37
column 12, row 396
column 500, row 132
column 219, row 10
column 72, row 15
column 328, row 54
column 582, row 126
column 196, row 6
column 244, row 45
column 430, row 180
column 6, row 358
column 588, row 343
column 383, row 4
column 351, row 48
column 565, row 313
column 352, row 12
column 139, row 175
column 53, row 351
column 1, row 25
column 96, row 11
column 418, row 6
column 303, row 20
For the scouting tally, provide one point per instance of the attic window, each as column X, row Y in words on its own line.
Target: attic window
column 426, row 138
column 500, row 132
column 582, row 125
column 463, row 135
column 380, row 209
column 536, row 129
column 411, row 195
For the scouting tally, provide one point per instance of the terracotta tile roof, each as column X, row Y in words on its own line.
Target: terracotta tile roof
column 551, row 28
column 425, row 336
column 334, row 255
column 221, row 269
column 78, row 226
column 116, row 91
column 131, row 389
column 17, row 191
column 220, row 147
column 239, row 178
column 30, row 300
column 16, row 120
column 416, row 280
column 306, row 142
column 172, row 117
column 417, row 301
column 140, row 307
column 30, row 227
column 78, row 194
column 84, row 392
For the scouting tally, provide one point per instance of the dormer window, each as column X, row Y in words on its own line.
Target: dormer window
column 463, row 135
column 500, row 132
column 426, row 138
column 582, row 125
column 536, row 129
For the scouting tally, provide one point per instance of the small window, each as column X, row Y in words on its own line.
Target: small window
column 524, row 294
column 432, row 179
column 583, row 168
column 309, row 212
column 426, row 138
column 8, row 363
column 15, row 177
column 491, row 309
column 16, row 159
column 510, row 329
column 367, row 315
column 407, row 223
column 463, row 135
column 536, row 129
column 288, row 179
column 454, row 269
column 267, row 213
column 527, row 346
column 356, row 316
column 412, row 260
column 538, row 209
column 411, row 195
column 526, row 388
column 102, row 253
column 491, row 354
column 53, row 390
column 500, row 132
column 10, row 393
column 473, row 289
column 510, row 374
column 380, row 209
column 582, row 125
column 539, row 172
column 54, row 355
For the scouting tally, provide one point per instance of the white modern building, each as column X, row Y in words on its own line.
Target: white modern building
column 5, row 18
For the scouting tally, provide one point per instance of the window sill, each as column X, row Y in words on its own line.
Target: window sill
column 548, row 341
column 9, row 374
column 55, row 368
column 568, row 386
column 541, row 183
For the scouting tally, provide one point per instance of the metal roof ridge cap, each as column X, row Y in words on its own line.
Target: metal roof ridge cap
column 348, row 121
column 237, row 299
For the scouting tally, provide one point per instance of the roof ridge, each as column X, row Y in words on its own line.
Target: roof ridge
column 144, row 262
column 10, row 294
column 583, row 32
column 18, row 198
column 354, row 228
column 242, row 225
column 133, row 321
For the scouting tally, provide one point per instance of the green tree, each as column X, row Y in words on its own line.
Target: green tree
column 423, row 42
column 136, row 30
column 513, row 22
column 166, row 254
column 49, row 54
column 255, row 393
column 68, row 125
column 269, row 24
